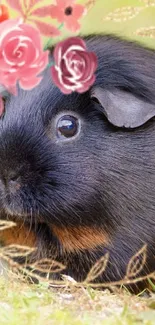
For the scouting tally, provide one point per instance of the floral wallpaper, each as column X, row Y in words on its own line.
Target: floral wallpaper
column 134, row 19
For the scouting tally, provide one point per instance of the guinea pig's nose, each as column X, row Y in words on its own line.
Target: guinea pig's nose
column 12, row 180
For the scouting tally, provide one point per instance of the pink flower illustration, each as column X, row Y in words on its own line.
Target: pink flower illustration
column 28, row 12
column 74, row 66
column 67, row 12
column 21, row 55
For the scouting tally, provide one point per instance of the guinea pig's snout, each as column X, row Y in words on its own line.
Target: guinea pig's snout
column 20, row 170
column 12, row 180
column 12, row 189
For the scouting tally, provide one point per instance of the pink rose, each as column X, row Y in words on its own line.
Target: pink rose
column 74, row 67
column 1, row 106
column 21, row 55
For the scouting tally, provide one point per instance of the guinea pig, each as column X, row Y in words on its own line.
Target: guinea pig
column 78, row 170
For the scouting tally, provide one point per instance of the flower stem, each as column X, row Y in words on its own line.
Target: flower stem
column 60, row 26
column 50, row 39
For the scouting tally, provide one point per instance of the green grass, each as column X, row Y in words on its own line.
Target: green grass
column 21, row 303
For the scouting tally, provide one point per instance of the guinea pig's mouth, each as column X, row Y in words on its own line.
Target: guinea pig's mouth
column 19, row 214
column 16, row 210
column 18, row 205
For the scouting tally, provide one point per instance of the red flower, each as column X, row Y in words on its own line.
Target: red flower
column 1, row 106
column 74, row 66
column 4, row 13
column 21, row 55
column 67, row 12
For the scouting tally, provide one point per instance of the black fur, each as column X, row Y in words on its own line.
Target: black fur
column 103, row 178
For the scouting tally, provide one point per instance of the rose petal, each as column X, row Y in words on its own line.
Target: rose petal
column 37, row 68
column 25, row 32
column 32, row 33
column 64, row 69
column 63, row 47
column 21, row 55
column 4, row 66
column 75, row 66
column 7, row 26
column 90, row 65
column 9, row 81
column 57, row 82
column 29, row 83
column 65, row 84
column 1, row 106
column 29, row 37
column 94, row 61
column 75, row 63
column 85, row 87
column 68, row 82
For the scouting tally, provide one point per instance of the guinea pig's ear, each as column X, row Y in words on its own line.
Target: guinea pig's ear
column 123, row 109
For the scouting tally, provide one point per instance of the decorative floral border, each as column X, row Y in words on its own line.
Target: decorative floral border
column 23, row 58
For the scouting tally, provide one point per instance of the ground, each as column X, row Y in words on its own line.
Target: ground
column 67, row 302
column 30, row 304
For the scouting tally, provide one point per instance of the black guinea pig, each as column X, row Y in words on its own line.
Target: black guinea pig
column 79, row 169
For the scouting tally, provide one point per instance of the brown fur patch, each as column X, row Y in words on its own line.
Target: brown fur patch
column 18, row 235
column 75, row 239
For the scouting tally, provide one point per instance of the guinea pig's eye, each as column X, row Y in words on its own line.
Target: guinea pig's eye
column 67, row 126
